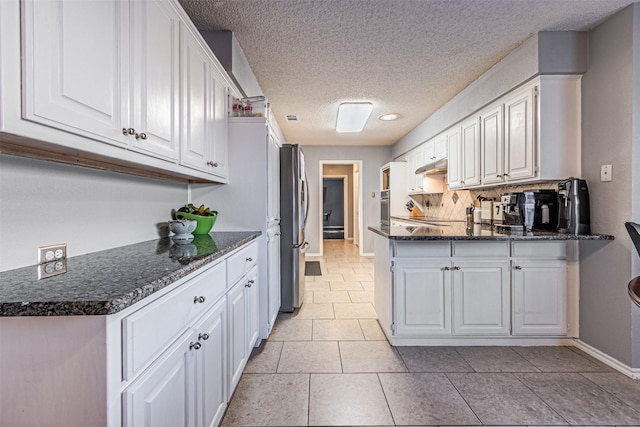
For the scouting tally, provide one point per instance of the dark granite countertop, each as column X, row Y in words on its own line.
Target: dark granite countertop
column 109, row 281
column 458, row 230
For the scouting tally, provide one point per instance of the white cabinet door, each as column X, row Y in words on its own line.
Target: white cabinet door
column 273, row 181
column 471, row 152
column 163, row 396
column 75, row 76
column 492, row 147
column 252, row 286
column 423, row 298
column 211, row 366
column 454, row 172
column 429, row 151
column 519, row 135
column 196, row 103
column 440, row 147
column 419, row 160
column 237, row 315
column 155, row 71
column 218, row 127
column 481, row 298
column 273, row 267
column 539, row 297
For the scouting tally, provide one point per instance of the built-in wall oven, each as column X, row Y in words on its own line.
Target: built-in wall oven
column 385, row 209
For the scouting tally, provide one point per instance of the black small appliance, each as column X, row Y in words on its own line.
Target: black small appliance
column 573, row 198
column 545, row 215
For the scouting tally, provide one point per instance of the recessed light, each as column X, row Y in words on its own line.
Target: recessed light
column 388, row 116
column 352, row 116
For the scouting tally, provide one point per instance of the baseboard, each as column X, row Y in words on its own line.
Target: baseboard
column 607, row 360
column 314, row 254
column 368, row 254
column 348, row 238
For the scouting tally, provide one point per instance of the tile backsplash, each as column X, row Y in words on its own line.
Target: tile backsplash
column 452, row 203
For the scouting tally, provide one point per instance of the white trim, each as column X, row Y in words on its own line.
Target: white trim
column 321, row 164
column 348, row 238
column 608, row 360
column 345, row 201
column 508, row 340
column 367, row 254
column 309, row 254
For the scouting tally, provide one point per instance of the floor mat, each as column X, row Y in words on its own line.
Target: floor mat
column 312, row 268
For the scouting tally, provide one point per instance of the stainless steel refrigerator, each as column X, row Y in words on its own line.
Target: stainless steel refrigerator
column 294, row 210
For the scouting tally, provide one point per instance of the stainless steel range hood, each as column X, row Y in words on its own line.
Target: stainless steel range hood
column 437, row 167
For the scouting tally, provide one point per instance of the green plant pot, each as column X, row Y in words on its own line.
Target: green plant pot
column 205, row 223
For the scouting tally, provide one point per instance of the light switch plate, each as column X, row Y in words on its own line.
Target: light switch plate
column 605, row 173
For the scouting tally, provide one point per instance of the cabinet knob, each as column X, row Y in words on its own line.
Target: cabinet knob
column 199, row 299
column 214, row 164
column 277, row 233
column 141, row 135
column 498, row 176
column 461, row 182
column 517, row 267
column 195, row 345
column 249, row 259
column 446, row 268
column 506, row 174
column 128, row 131
column 203, row 336
column 456, row 268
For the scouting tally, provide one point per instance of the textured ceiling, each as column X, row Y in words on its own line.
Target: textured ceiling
column 405, row 56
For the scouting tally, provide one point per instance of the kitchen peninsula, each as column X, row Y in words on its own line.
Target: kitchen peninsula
column 443, row 283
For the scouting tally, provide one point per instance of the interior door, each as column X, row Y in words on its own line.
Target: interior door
column 356, row 205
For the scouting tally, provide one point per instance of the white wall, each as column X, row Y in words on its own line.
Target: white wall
column 610, row 101
column 373, row 158
column 44, row 203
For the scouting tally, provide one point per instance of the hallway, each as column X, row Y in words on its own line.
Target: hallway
column 329, row 364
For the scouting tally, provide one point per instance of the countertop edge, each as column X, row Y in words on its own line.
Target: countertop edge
column 384, row 232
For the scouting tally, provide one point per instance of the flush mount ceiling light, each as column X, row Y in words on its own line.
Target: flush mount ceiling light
column 352, row 116
column 388, row 116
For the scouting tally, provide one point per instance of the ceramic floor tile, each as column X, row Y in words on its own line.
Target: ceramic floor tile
column 316, row 311
column 355, row 311
column 317, row 286
column 557, row 359
column 501, row 399
column 308, row 297
column 264, row 359
column 372, row 330
column 621, row 386
column 309, row 356
column 333, row 277
column 495, row 359
column 370, row 356
column 337, row 330
column 341, row 285
column 580, row 401
column 425, row 399
column 347, row 399
column 324, row 297
column 360, row 296
column 291, row 329
column 358, row 277
column 368, row 286
column 269, row 400
column 433, row 359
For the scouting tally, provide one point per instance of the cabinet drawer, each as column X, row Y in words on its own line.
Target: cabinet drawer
column 555, row 250
column 241, row 262
column 422, row 249
column 481, row 249
column 148, row 331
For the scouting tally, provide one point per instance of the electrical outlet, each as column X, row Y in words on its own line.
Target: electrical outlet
column 53, row 268
column 50, row 253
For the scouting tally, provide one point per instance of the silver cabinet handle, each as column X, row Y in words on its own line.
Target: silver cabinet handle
column 214, row 164
column 195, row 345
column 199, row 299
column 277, row 233
column 517, row 267
column 446, row 268
column 249, row 259
column 203, row 336
column 506, row 174
column 128, row 131
column 141, row 135
column 249, row 283
column 456, row 268
column 498, row 176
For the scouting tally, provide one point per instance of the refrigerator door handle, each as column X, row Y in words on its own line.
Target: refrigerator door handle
column 306, row 199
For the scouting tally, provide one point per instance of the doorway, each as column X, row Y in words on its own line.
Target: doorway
column 340, row 202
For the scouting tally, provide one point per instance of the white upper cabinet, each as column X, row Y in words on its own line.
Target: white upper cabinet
column 519, row 151
column 491, row 146
column 155, row 71
column 454, row 143
column 471, row 152
column 439, row 147
column 73, row 81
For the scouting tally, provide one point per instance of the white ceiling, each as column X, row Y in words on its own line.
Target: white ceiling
column 405, row 56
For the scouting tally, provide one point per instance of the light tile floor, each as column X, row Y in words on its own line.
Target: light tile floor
column 329, row 364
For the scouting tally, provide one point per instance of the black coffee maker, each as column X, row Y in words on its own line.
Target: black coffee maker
column 573, row 210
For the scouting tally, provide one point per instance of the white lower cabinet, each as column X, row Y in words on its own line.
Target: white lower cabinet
column 539, row 297
column 481, row 298
column 423, row 298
